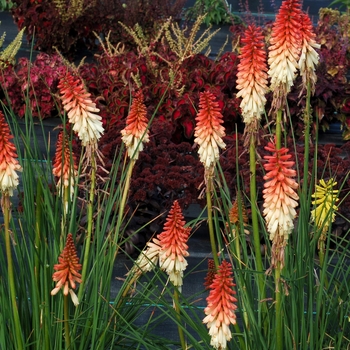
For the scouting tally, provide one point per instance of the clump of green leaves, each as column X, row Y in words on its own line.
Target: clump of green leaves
column 6, row 5
column 214, row 11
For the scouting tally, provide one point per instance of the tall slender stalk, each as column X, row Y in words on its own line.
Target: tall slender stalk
column 256, row 231
column 124, row 195
column 66, row 323
column 307, row 121
column 255, row 221
column 90, row 207
column 6, row 207
column 208, row 190
column 278, row 308
column 278, row 270
column 178, row 316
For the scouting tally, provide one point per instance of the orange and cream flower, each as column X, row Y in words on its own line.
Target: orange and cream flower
column 209, row 131
column 173, row 245
column 325, row 197
column 252, row 75
column 148, row 258
column 284, row 50
column 8, row 163
column 136, row 133
column 280, row 198
column 81, row 110
column 309, row 58
column 221, row 307
column 65, row 167
column 67, row 271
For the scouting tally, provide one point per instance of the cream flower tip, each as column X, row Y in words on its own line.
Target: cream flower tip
column 252, row 73
column 280, row 198
column 285, row 45
column 209, row 131
column 74, row 297
column 136, row 132
column 80, row 110
column 173, row 247
column 220, row 307
column 9, row 165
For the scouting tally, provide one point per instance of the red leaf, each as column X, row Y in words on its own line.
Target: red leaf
column 188, row 126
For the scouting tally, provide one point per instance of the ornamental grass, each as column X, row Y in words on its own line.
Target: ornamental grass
column 277, row 275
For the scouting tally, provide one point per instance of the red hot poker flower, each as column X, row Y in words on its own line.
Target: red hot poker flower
column 67, row 270
column 252, row 75
column 209, row 131
column 8, row 162
column 173, row 247
column 81, row 110
column 135, row 133
column 221, row 306
column 284, row 50
column 280, row 198
column 309, row 57
column 65, row 164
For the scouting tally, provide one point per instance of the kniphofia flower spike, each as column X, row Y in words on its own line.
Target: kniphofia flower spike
column 65, row 167
column 284, row 50
column 173, row 245
column 252, row 75
column 221, row 307
column 324, row 201
column 67, row 270
column 136, row 133
column 209, row 132
column 280, row 198
column 81, row 110
column 169, row 248
column 8, row 163
column 309, row 58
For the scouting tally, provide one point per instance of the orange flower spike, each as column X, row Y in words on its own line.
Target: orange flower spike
column 81, row 110
column 67, row 270
column 135, row 133
column 280, row 198
column 252, row 75
column 220, row 310
column 284, row 50
column 8, row 164
column 65, row 164
column 173, row 247
column 309, row 58
column 209, row 132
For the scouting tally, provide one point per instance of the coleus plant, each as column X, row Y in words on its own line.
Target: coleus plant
column 112, row 79
column 70, row 26
column 32, row 85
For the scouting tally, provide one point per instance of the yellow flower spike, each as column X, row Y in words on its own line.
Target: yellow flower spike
column 325, row 197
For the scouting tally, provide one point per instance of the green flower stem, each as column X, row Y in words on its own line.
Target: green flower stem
column 90, row 207
column 255, row 221
column 209, row 184
column 120, row 220
column 278, row 129
column 66, row 323
column 178, row 316
column 256, row 232
column 307, row 121
column 38, row 218
column 11, row 280
column 278, row 308
column 124, row 196
column 321, row 251
column 278, row 295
